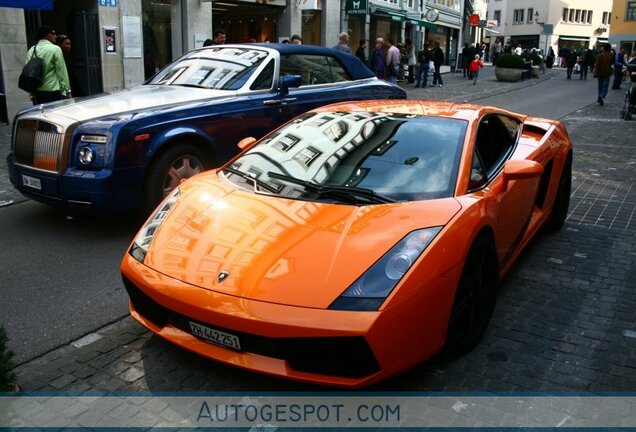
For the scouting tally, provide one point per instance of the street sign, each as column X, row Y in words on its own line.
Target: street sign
column 492, row 23
column 414, row 15
column 473, row 20
column 482, row 23
column 548, row 29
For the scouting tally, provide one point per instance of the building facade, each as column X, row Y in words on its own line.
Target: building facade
column 550, row 23
column 623, row 29
column 118, row 44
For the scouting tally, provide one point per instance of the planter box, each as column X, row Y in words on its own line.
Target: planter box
column 508, row 74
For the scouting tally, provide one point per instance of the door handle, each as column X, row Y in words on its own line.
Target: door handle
column 272, row 102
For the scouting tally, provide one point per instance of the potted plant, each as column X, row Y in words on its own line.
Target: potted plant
column 509, row 67
column 7, row 377
column 537, row 61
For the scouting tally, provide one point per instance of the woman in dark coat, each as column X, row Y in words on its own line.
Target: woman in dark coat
column 570, row 61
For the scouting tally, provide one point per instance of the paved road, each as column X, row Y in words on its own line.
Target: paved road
column 564, row 321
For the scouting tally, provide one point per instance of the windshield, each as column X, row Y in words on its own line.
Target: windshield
column 395, row 157
column 214, row 68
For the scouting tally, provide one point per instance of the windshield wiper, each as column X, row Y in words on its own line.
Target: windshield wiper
column 349, row 192
column 251, row 179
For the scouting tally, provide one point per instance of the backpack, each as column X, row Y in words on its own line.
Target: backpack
column 31, row 77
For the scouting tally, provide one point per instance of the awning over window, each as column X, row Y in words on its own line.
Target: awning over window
column 28, row 4
column 575, row 38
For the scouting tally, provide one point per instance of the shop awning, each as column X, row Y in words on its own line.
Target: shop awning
column 28, row 4
column 491, row 31
column 421, row 23
column 574, row 38
column 393, row 14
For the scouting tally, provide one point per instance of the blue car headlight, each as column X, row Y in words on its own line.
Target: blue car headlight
column 144, row 238
column 370, row 290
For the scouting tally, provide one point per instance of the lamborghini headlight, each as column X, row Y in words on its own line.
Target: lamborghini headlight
column 144, row 238
column 374, row 286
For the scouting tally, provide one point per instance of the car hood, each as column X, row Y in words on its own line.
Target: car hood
column 137, row 99
column 279, row 250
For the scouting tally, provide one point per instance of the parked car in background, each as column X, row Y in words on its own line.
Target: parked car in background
column 353, row 242
column 128, row 150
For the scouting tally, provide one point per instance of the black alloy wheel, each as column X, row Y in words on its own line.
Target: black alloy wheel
column 475, row 297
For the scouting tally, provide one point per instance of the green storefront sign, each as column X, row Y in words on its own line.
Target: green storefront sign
column 357, row 7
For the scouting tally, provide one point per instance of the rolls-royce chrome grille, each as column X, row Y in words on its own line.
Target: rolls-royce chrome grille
column 39, row 144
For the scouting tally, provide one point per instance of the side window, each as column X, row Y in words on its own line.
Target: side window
column 314, row 69
column 338, row 73
column 477, row 173
column 496, row 138
column 265, row 78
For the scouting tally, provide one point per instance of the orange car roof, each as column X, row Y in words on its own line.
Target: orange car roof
column 456, row 110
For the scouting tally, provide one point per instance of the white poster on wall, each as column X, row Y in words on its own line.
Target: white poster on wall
column 131, row 29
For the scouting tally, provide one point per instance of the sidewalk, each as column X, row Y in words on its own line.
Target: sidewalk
column 564, row 321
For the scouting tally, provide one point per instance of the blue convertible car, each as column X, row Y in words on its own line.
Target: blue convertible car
column 127, row 150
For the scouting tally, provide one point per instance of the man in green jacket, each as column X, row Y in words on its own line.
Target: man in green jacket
column 55, row 83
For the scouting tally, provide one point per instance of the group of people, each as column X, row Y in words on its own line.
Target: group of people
column 59, row 78
column 609, row 63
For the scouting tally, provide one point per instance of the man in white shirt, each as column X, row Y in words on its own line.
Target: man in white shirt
column 393, row 59
column 518, row 50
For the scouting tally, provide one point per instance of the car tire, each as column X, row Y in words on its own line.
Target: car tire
column 562, row 199
column 475, row 297
column 169, row 169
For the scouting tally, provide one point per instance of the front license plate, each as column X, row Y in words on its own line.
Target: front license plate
column 31, row 182
column 215, row 336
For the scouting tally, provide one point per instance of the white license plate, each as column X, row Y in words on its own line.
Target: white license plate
column 31, row 182
column 215, row 336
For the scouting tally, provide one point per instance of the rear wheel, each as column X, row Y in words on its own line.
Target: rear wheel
column 562, row 199
column 172, row 167
column 475, row 297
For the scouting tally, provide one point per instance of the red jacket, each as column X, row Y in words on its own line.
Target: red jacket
column 475, row 65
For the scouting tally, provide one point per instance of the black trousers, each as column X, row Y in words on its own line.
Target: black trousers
column 618, row 76
column 47, row 96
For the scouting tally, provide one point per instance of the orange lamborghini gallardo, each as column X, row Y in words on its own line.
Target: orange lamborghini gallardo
column 353, row 242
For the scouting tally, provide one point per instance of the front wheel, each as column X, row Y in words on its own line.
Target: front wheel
column 475, row 297
column 170, row 169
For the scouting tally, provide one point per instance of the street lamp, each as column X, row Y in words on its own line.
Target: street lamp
column 536, row 18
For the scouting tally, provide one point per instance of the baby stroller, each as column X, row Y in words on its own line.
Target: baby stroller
column 629, row 107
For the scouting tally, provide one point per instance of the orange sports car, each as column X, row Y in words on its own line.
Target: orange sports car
column 353, row 242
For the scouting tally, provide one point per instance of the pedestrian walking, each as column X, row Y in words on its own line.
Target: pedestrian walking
column 55, row 83
column 377, row 62
column 465, row 59
column 619, row 62
column 587, row 61
column 343, row 43
column 603, row 72
column 64, row 42
column 360, row 52
column 424, row 58
column 411, row 61
column 549, row 59
column 393, row 59
column 570, row 61
column 475, row 67
column 438, row 59
column 296, row 40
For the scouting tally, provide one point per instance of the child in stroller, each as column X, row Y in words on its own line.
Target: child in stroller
column 629, row 107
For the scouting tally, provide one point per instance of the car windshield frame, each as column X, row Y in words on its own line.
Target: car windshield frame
column 398, row 157
column 216, row 68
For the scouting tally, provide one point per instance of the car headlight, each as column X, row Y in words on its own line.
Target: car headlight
column 370, row 290
column 142, row 242
column 91, row 151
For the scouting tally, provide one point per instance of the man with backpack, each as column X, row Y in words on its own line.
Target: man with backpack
column 55, row 83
